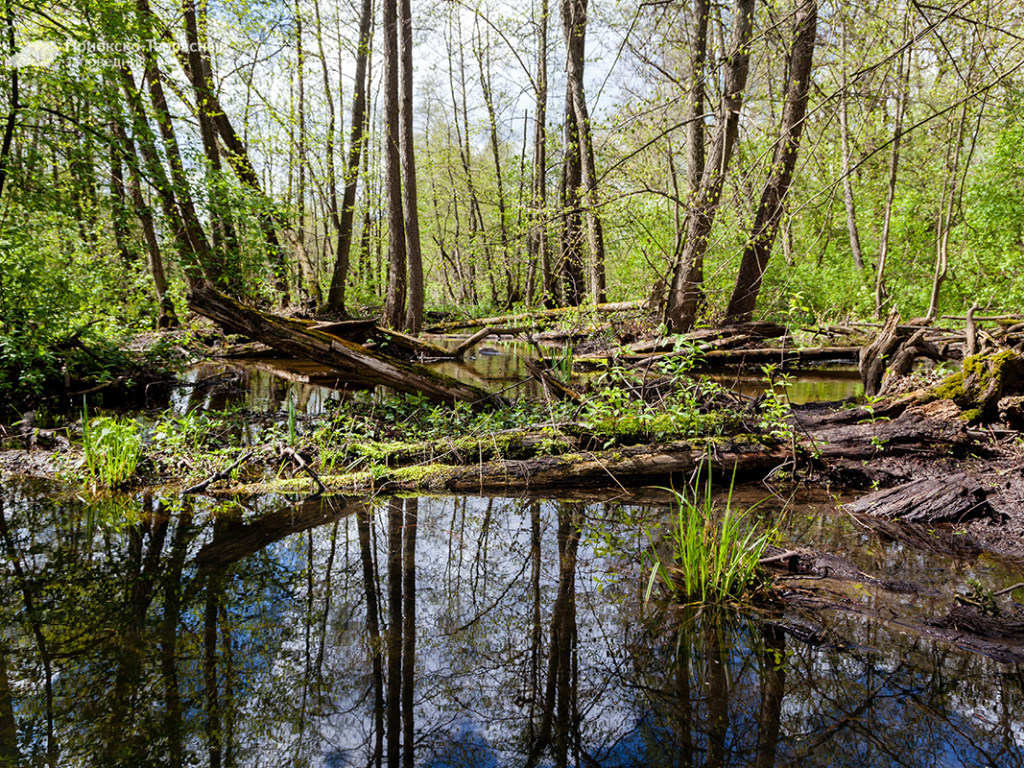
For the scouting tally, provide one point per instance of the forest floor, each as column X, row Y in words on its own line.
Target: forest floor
column 920, row 458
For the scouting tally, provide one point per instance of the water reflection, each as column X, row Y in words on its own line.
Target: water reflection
column 439, row 632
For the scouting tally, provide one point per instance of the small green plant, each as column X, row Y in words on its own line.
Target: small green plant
column 715, row 557
column 112, row 447
column 775, row 408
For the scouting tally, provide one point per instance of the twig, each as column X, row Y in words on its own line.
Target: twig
column 1008, row 589
column 304, row 465
column 779, row 558
column 223, row 474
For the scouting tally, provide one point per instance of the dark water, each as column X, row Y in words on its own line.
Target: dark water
column 456, row 632
column 266, row 385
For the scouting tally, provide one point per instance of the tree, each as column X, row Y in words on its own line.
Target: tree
column 773, row 197
column 685, row 291
column 394, row 303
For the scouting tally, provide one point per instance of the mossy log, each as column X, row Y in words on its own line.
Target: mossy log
column 622, row 467
column 982, row 382
column 354, row 361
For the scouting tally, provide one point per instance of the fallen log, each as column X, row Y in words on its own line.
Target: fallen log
column 623, row 467
column 783, row 359
column 946, row 499
column 620, row 306
column 355, row 362
column 468, row 344
column 411, row 344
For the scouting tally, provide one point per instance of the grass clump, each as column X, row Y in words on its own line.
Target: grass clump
column 714, row 555
column 112, row 447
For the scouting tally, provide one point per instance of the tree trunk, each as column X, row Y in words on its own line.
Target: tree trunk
column 844, row 137
column 410, row 207
column 573, row 281
column 167, row 317
column 480, row 50
column 695, row 114
column 13, row 105
column 193, row 228
column 158, row 178
column 537, row 241
column 336, row 297
column 685, row 293
column 394, row 303
column 773, row 198
column 308, row 284
column 574, row 26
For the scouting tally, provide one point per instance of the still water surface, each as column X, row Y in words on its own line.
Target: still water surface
column 457, row 632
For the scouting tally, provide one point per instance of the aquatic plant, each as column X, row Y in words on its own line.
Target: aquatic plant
column 715, row 555
column 112, row 446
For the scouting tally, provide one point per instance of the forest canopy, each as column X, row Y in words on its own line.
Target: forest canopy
column 785, row 159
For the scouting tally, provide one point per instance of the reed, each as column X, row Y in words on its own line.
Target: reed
column 112, row 446
column 714, row 555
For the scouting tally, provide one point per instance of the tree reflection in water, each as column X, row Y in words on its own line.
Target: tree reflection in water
column 438, row 632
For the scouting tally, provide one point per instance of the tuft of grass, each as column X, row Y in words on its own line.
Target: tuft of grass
column 714, row 554
column 112, row 447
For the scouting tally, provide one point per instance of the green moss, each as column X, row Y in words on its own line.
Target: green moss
column 977, row 387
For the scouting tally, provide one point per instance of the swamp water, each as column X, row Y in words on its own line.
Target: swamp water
column 461, row 632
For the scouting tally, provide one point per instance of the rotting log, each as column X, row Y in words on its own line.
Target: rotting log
column 454, row 325
column 931, row 500
column 411, row 344
column 623, row 467
column 354, row 361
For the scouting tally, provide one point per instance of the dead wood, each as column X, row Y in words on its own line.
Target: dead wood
column 624, row 467
column 223, row 474
column 472, row 341
column 553, row 386
column 392, row 338
column 621, row 306
column 944, row 499
column 355, row 362
column 359, row 331
column 717, row 357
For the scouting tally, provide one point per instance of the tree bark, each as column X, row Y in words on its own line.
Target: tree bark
column 894, row 161
column 574, row 26
column 394, row 302
column 685, row 292
column 410, row 206
column 773, row 198
column 336, row 296
column 537, row 240
column 844, row 137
